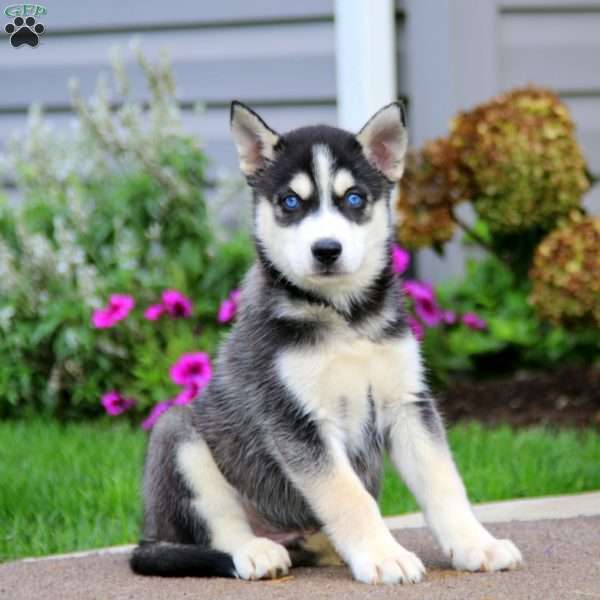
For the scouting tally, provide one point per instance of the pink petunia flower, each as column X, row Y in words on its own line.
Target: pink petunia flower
column 473, row 321
column 190, row 392
column 400, row 259
column 176, row 304
column 155, row 413
column 115, row 403
column 154, row 312
column 229, row 307
column 449, row 317
column 119, row 306
column 193, row 367
column 426, row 306
column 227, row 311
column 416, row 327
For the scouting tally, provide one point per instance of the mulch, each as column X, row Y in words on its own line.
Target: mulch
column 568, row 397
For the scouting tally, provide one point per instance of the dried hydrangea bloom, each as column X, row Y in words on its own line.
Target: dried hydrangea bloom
column 515, row 158
column 526, row 167
column 420, row 225
column 566, row 272
column 431, row 185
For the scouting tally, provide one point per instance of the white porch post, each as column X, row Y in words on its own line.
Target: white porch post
column 365, row 40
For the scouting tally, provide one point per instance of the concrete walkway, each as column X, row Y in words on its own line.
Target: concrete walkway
column 527, row 509
column 562, row 562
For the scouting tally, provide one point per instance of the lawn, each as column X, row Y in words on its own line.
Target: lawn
column 72, row 487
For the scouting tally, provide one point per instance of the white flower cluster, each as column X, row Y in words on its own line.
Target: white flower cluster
column 8, row 274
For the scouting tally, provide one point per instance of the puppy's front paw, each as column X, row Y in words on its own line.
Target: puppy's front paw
column 489, row 555
column 387, row 563
column 261, row 558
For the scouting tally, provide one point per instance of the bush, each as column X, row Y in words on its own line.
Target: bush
column 526, row 166
column 514, row 336
column 427, row 193
column 117, row 206
column 515, row 158
column 566, row 273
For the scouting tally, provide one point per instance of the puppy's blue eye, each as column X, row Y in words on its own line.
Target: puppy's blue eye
column 291, row 202
column 354, row 200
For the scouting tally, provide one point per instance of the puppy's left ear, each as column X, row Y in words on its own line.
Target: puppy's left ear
column 254, row 139
column 384, row 140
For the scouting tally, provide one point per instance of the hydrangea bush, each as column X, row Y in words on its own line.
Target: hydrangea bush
column 516, row 160
column 566, row 273
column 113, row 228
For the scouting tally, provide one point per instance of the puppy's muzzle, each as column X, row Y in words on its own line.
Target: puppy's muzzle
column 326, row 251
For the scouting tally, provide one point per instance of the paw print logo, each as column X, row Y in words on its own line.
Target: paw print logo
column 24, row 31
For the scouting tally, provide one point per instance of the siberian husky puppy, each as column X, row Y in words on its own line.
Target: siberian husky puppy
column 279, row 462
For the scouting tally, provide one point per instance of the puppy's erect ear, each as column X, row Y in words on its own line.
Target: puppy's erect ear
column 384, row 140
column 254, row 139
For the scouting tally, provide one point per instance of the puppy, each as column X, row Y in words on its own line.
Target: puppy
column 279, row 462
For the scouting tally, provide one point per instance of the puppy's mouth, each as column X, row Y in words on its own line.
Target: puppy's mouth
column 327, row 273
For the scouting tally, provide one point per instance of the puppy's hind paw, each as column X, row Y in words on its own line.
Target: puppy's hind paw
column 493, row 555
column 261, row 558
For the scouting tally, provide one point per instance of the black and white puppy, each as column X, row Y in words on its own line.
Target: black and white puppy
column 279, row 462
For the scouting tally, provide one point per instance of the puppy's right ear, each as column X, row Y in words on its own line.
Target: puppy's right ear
column 254, row 139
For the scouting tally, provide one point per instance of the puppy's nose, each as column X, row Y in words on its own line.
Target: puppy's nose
column 326, row 251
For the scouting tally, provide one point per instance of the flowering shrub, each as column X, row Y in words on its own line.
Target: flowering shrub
column 425, row 311
column 516, row 160
column 514, row 157
column 192, row 371
column 111, row 265
column 502, row 331
column 566, row 273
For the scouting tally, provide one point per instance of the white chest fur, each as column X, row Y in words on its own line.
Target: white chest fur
column 332, row 380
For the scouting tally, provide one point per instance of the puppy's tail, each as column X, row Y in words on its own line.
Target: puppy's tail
column 180, row 560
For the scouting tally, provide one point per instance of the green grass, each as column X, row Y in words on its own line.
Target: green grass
column 501, row 463
column 66, row 488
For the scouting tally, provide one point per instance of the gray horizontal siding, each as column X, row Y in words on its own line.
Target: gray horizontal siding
column 282, row 63
column 568, row 6
column 134, row 14
column 586, row 114
column 553, row 48
column 277, row 56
